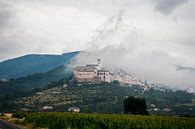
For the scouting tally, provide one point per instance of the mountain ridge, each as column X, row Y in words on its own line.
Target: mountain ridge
column 33, row 63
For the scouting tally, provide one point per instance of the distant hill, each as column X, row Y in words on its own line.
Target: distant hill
column 30, row 84
column 34, row 81
column 33, row 63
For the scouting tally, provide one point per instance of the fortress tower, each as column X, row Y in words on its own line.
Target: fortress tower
column 99, row 64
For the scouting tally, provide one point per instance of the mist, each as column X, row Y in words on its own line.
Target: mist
column 120, row 45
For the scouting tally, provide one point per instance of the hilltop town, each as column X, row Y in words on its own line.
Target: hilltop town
column 96, row 73
column 92, row 73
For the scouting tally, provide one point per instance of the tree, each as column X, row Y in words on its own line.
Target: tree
column 135, row 105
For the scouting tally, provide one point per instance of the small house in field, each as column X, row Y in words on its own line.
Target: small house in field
column 74, row 109
column 47, row 107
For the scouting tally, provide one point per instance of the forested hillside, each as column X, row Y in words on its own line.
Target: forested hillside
column 107, row 98
column 31, row 64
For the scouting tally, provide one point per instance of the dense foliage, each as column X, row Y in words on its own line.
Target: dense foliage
column 57, row 120
column 135, row 105
column 19, row 115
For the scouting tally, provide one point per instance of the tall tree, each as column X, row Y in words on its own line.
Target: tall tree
column 135, row 105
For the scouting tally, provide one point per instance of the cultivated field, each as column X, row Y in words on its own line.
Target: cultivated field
column 59, row 120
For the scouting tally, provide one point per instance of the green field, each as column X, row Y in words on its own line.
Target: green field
column 60, row 120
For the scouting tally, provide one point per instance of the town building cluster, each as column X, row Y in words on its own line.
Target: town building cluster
column 92, row 73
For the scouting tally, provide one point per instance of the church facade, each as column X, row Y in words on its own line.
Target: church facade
column 92, row 73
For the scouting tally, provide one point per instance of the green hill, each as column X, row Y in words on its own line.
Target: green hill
column 33, row 63
column 26, row 86
column 107, row 98
column 31, row 82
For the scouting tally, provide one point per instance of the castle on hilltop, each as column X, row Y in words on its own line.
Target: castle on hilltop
column 92, row 73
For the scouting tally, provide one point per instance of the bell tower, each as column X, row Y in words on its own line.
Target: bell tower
column 99, row 63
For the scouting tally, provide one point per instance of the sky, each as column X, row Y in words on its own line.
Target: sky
column 152, row 39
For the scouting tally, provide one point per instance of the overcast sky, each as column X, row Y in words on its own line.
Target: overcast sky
column 153, row 39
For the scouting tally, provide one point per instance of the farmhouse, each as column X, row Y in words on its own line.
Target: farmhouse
column 92, row 73
column 74, row 109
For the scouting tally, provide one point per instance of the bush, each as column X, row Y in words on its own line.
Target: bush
column 19, row 115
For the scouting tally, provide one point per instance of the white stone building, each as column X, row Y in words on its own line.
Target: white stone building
column 74, row 109
column 47, row 107
column 92, row 73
